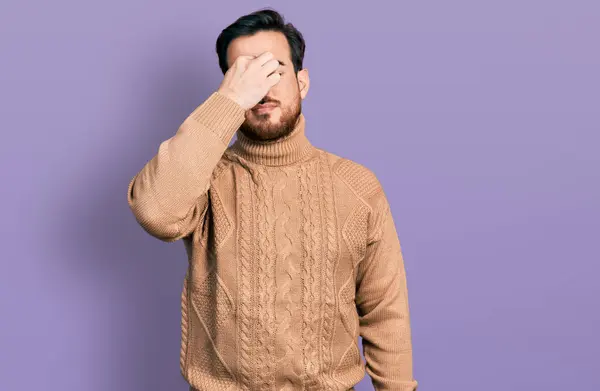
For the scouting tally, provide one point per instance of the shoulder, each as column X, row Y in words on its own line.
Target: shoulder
column 359, row 179
column 222, row 166
column 367, row 188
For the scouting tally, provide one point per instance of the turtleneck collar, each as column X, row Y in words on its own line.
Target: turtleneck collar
column 289, row 149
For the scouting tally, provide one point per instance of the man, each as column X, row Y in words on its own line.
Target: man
column 293, row 252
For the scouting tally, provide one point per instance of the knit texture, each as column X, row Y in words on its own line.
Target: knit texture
column 292, row 254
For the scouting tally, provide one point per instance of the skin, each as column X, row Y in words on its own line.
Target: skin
column 287, row 94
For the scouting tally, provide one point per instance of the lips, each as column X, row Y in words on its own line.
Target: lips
column 267, row 105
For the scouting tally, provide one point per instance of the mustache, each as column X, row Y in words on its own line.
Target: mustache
column 267, row 100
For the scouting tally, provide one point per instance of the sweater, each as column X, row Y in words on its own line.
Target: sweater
column 292, row 254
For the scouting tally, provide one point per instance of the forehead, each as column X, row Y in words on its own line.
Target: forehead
column 263, row 41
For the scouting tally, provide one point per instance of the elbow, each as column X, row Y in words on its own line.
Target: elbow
column 156, row 223
column 159, row 227
column 151, row 218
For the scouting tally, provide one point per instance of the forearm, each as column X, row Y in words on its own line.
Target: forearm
column 166, row 195
column 387, row 341
column 382, row 302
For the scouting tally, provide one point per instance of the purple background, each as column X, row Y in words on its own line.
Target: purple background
column 481, row 120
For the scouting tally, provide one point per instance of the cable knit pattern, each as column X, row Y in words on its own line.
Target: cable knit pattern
column 266, row 277
column 306, row 253
column 289, row 273
column 311, row 230
column 355, row 231
column 245, row 278
column 221, row 220
column 292, row 254
column 214, row 316
column 184, row 325
column 330, row 255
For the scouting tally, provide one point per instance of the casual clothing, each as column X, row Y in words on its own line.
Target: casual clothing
column 292, row 253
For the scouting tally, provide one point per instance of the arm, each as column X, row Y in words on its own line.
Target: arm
column 382, row 304
column 169, row 195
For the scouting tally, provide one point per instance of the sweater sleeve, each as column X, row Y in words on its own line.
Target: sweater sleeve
column 169, row 195
column 382, row 305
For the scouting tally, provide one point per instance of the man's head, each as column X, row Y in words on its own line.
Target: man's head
column 251, row 35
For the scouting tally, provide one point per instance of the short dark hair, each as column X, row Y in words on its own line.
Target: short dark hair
column 265, row 19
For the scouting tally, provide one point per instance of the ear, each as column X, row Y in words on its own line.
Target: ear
column 303, row 82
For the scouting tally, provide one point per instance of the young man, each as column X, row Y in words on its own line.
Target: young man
column 293, row 252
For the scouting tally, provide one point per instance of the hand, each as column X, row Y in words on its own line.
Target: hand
column 249, row 79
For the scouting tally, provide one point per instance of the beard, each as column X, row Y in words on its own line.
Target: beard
column 260, row 127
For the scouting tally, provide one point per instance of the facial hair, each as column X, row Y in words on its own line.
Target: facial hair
column 261, row 128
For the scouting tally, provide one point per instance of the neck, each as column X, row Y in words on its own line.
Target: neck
column 285, row 150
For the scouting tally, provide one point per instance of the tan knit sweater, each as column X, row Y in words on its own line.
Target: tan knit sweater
column 292, row 252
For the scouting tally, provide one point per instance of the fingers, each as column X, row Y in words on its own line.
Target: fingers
column 266, row 65
column 263, row 58
column 242, row 62
column 270, row 67
column 273, row 79
column 264, row 62
column 260, row 61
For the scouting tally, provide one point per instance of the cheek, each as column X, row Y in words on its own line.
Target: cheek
column 286, row 88
column 287, row 96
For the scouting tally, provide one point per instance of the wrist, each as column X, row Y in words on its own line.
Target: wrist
column 231, row 95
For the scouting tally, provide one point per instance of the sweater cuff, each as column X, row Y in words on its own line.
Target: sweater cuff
column 220, row 114
column 398, row 386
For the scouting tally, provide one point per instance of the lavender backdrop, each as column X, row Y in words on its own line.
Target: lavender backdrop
column 480, row 118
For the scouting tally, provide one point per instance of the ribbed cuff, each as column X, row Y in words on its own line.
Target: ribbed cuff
column 220, row 114
column 407, row 386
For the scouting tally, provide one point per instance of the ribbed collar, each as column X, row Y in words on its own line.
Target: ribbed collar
column 287, row 150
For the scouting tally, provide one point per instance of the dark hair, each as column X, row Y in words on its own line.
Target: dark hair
column 261, row 20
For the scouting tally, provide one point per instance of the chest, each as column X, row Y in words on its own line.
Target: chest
column 287, row 212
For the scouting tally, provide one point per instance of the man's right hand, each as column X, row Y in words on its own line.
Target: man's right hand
column 249, row 79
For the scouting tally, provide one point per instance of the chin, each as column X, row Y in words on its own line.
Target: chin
column 269, row 121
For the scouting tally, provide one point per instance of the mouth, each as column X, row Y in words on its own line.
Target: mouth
column 264, row 106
